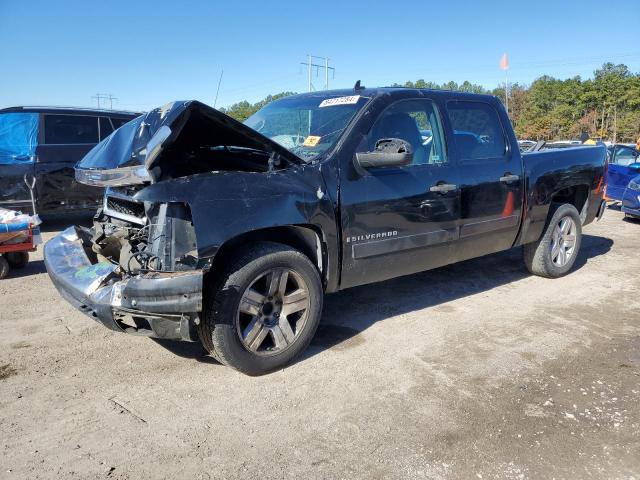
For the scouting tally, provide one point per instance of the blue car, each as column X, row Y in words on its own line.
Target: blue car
column 631, row 198
column 623, row 166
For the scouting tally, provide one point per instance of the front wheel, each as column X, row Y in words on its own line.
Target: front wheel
column 263, row 310
column 555, row 253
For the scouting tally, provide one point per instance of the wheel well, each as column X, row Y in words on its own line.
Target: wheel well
column 576, row 195
column 304, row 238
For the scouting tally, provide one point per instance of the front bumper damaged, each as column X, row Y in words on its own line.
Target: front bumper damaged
column 156, row 304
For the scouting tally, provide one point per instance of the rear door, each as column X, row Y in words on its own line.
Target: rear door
column 18, row 141
column 620, row 173
column 65, row 139
column 491, row 179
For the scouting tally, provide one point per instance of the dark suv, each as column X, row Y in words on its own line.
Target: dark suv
column 41, row 145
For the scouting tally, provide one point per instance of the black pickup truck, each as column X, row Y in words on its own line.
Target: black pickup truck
column 231, row 233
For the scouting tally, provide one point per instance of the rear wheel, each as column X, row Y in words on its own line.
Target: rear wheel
column 263, row 310
column 555, row 253
column 18, row 259
column 4, row 267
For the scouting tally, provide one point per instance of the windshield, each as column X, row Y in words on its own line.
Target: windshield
column 306, row 125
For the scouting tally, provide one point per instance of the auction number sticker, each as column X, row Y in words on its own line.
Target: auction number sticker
column 330, row 102
column 311, row 141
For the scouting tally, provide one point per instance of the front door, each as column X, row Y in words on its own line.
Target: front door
column 620, row 173
column 491, row 179
column 400, row 220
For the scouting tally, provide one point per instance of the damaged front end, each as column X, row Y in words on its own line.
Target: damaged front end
column 139, row 270
column 134, row 277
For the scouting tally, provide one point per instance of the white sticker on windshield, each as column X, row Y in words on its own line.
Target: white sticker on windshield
column 330, row 102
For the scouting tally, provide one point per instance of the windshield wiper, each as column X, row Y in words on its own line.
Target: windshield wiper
column 235, row 148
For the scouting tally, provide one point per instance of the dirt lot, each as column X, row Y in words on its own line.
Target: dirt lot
column 477, row 370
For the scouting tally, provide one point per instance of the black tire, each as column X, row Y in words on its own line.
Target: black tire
column 4, row 267
column 538, row 255
column 18, row 259
column 218, row 329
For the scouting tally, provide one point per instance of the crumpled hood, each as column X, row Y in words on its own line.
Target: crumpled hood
column 132, row 154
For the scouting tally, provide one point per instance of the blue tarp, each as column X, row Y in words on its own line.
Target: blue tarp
column 13, row 227
column 18, row 137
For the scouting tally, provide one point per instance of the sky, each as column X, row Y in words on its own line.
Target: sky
column 146, row 53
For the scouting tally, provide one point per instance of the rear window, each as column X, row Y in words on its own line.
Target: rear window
column 478, row 133
column 70, row 129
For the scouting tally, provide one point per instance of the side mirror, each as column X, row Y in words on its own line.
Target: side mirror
column 389, row 152
column 635, row 166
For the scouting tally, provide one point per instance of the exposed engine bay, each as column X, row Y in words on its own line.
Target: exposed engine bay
column 141, row 237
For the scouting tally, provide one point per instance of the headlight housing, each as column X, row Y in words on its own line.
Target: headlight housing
column 633, row 185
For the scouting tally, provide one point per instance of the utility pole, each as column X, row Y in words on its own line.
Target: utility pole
column 326, row 73
column 105, row 96
column 98, row 96
column 111, row 98
column 310, row 66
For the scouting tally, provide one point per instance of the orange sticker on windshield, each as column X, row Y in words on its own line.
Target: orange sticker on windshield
column 311, row 141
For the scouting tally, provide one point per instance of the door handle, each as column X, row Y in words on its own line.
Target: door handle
column 508, row 178
column 443, row 188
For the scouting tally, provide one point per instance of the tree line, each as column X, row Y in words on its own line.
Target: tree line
column 606, row 106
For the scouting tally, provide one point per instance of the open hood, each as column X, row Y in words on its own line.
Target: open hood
column 160, row 144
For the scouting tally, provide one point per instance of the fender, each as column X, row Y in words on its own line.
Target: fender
column 549, row 173
column 226, row 205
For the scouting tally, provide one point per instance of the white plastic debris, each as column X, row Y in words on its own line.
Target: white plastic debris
column 14, row 226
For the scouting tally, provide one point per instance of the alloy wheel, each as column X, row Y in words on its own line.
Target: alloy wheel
column 272, row 311
column 563, row 241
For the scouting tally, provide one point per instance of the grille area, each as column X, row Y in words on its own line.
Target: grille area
column 126, row 207
column 117, row 207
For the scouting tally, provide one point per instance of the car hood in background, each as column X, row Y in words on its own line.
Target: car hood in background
column 132, row 154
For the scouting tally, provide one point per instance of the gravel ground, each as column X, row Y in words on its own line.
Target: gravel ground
column 476, row 370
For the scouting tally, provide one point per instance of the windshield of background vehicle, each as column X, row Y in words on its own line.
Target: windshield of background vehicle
column 307, row 125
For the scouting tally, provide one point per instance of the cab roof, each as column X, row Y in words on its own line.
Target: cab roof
column 72, row 110
column 380, row 91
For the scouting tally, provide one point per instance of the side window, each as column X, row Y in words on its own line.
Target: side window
column 624, row 156
column 416, row 122
column 477, row 131
column 70, row 129
column 118, row 122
